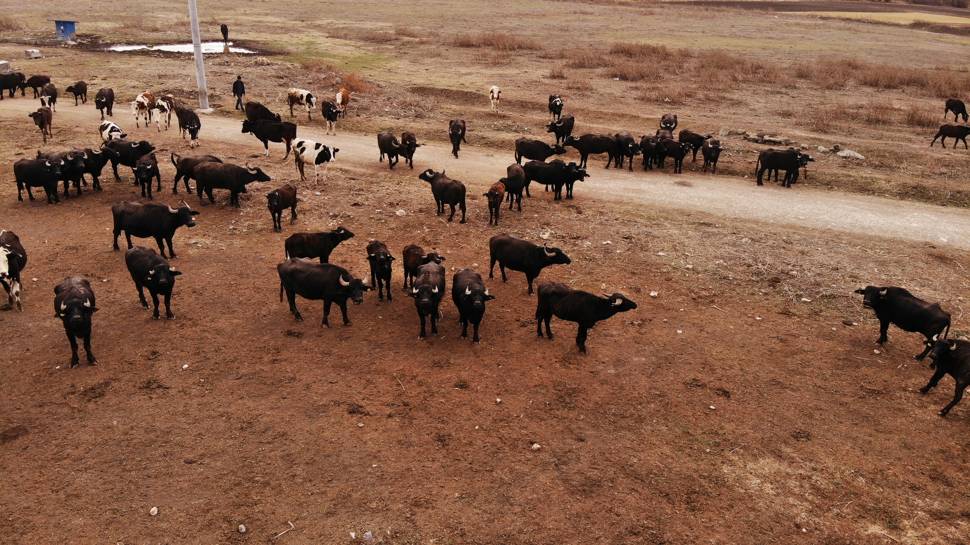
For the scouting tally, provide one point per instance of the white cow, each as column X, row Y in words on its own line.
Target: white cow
column 494, row 97
column 109, row 131
column 312, row 153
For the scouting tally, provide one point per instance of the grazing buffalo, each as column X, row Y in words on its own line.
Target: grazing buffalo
column 445, row 191
column 151, row 220
column 11, row 82
column 555, row 173
column 271, row 131
column 515, row 183
column 126, row 153
column 562, row 128
column 185, row 168
column 957, row 132
column 313, row 153
column 469, row 293
column 456, row 133
column 209, row 176
column 711, row 151
column 555, row 107
column 495, row 197
column 950, row 358
column 427, row 289
column 590, row 144
column 413, row 257
column 535, row 150
column 44, row 119
column 13, row 260
column 104, row 101
column 152, row 271
column 624, row 147
column 80, row 92
column 380, row 260
column 256, row 111
column 319, row 245
column 279, row 200
column 581, row 307
column 74, row 304
column 694, row 140
column 521, row 255
column 898, row 306
column 316, row 281
column 957, row 107
column 37, row 173
column 145, row 169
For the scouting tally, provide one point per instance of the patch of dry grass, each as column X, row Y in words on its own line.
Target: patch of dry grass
column 829, row 73
column 557, row 72
column 407, row 32
column 495, row 40
column 9, row 24
column 355, row 83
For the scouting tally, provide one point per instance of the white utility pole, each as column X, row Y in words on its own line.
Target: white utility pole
column 199, row 64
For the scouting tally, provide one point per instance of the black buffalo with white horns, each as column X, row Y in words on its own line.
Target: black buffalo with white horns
column 145, row 170
column 469, row 293
column 555, row 106
column 535, row 150
column 522, row 255
column 562, row 128
column 950, row 357
column 44, row 120
column 694, row 140
column 668, row 122
column 409, row 145
column 456, row 133
column 957, row 107
column 72, row 167
column 789, row 160
column 279, row 200
column 152, row 271
column 13, row 260
column 624, row 147
column 256, row 111
column 80, row 92
column 189, row 124
column 267, row 131
column 319, row 281
column 319, row 245
column 185, row 168
column 557, row 174
column 151, row 220
column 711, row 151
column 590, row 144
column 209, row 176
column 515, row 183
column 380, row 260
column 413, row 257
column 11, row 82
column 74, row 304
column 445, row 191
column 37, row 173
column 427, row 289
column 126, row 153
column 104, row 101
column 581, row 307
column 94, row 163
column 898, row 306
column 388, row 144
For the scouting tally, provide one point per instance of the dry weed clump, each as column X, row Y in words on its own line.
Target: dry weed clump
column 915, row 117
column 829, row 73
column 9, row 24
column 355, row 84
column 495, row 40
column 557, row 72
column 407, row 32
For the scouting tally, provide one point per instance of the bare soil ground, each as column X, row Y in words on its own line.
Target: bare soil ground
column 745, row 404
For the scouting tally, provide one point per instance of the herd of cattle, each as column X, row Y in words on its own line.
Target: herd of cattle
column 423, row 273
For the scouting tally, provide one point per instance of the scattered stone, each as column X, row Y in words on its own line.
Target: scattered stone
column 536, row 446
column 849, row 154
column 806, row 300
column 242, row 528
column 654, row 294
column 401, row 213
column 823, row 149
column 153, row 511
column 712, row 407
column 498, row 401
column 876, row 351
column 849, row 323
column 185, row 366
column 360, row 424
column 661, row 254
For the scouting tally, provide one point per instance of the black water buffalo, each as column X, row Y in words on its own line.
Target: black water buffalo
column 189, row 125
column 668, row 122
column 13, row 260
column 515, row 183
column 536, row 150
column 74, row 304
column 145, row 169
column 267, row 131
column 957, row 132
column 581, row 307
column 957, row 107
column 711, row 151
column 789, row 160
column 389, row 145
column 185, row 168
column 445, row 191
column 279, row 200
column 469, row 293
column 150, row 220
column 590, row 144
column 380, row 260
column 694, row 140
column 319, row 245
column 37, row 173
column 555, row 173
column 36, row 83
column 950, row 358
column 94, row 162
column 210, row 175
column 624, row 147
column 316, row 281
column 152, row 271
column 72, row 167
column 413, row 256
column 11, row 82
column 104, row 101
column 648, row 147
column 521, row 255
column 555, row 106
column 675, row 150
column 409, row 144
column 80, row 92
column 495, row 197
column 256, row 111
column 562, row 128
column 898, row 306
column 126, row 153
column 456, row 133
column 427, row 289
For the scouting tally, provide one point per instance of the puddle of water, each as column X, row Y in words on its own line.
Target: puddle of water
column 208, row 48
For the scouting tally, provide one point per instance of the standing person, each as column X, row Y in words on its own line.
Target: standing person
column 239, row 91
column 225, row 32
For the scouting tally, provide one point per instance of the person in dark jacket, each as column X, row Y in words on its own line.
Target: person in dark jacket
column 239, row 91
column 224, row 28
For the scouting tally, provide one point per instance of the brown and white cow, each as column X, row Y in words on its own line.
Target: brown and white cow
column 342, row 100
column 142, row 107
column 301, row 97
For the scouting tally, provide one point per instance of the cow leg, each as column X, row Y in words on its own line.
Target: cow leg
column 326, row 312
column 964, row 142
column 530, row 278
column 87, row 349
column 462, row 207
column 581, row 336
column 491, row 269
column 291, row 299
column 141, row 295
column 158, row 240
column 387, row 285
column 171, row 251
column 957, row 396
column 548, row 319
column 475, row 337
column 926, row 350
column 114, row 169
column 343, row 311
column 464, row 327
column 130, row 245
column 452, row 215
column 434, row 322
column 501, row 268
column 883, row 328
column 74, row 359
column 154, row 305
column 293, row 214
column 266, row 148
column 67, row 187
column 423, row 333
column 158, row 178
column 168, row 306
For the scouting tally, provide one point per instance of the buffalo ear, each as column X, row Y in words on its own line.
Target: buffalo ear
column 860, row 291
column 176, row 273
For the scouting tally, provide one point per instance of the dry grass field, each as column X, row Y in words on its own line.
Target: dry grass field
column 745, row 404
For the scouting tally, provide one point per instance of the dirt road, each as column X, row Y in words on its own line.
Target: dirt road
column 729, row 197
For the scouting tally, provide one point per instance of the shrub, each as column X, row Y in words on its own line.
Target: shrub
column 355, row 84
column 495, row 40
